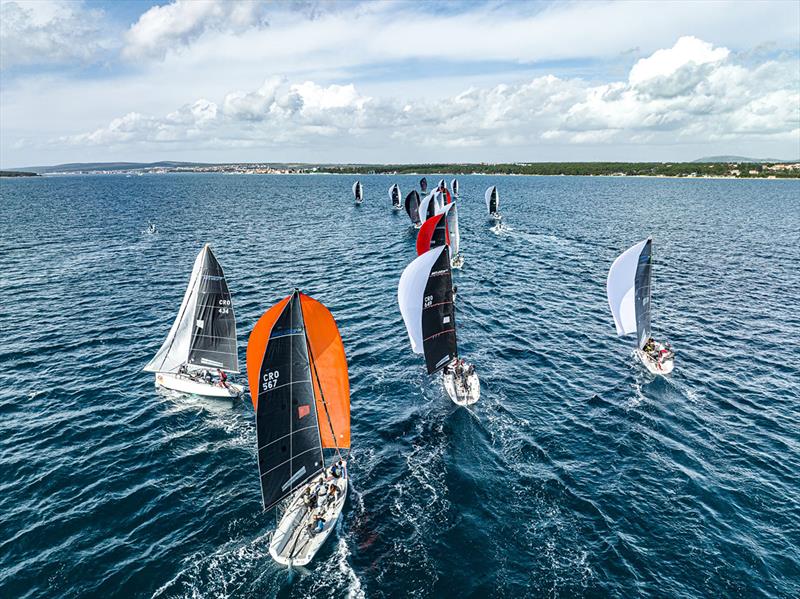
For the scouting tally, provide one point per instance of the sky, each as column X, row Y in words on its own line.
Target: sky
column 397, row 82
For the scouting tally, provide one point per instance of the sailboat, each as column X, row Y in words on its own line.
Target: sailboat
column 203, row 336
column 628, row 288
column 423, row 185
column 442, row 229
column 412, row 207
column 428, row 206
column 442, row 185
column 454, row 187
column 394, row 196
column 425, row 295
column 493, row 202
column 358, row 192
column 297, row 370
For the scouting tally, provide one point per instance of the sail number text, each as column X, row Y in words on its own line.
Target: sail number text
column 270, row 379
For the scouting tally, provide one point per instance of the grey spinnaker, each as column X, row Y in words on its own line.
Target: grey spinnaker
column 412, row 206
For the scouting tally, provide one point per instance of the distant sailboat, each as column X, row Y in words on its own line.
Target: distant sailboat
column 628, row 287
column 442, row 185
column 454, row 187
column 423, row 185
column 425, row 295
column 428, row 207
column 493, row 202
column 358, row 192
column 202, row 338
column 394, row 196
column 297, row 372
column 412, row 208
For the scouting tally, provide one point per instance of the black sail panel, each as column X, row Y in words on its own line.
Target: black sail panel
column 213, row 342
column 412, row 206
column 289, row 447
column 439, row 316
column 493, row 202
column 644, row 273
column 439, row 236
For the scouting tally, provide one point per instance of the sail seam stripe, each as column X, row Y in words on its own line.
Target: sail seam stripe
column 284, row 436
column 285, row 384
column 289, row 460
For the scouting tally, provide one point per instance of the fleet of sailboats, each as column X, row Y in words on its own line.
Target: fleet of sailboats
column 297, row 368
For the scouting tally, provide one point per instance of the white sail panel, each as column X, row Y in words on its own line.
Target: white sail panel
column 438, row 198
column 452, row 225
column 621, row 289
column 423, row 207
column 411, row 292
column 175, row 350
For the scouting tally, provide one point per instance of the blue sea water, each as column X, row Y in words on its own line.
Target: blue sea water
column 576, row 475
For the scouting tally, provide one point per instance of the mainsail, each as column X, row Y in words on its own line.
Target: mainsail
column 492, row 199
column 425, row 295
column 301, row 395
column 628, row 289
column 204, row 332
column 394, row 195
column 412, row 206
column 358, row 191
column 433, row 232
column 454, row 187
column 423, row 185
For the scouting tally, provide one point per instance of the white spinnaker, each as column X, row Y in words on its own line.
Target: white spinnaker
column 423, row 207
column 488, row 197
column 358, row 191
column 620, row 287
column 438, row 198
column 392, row 196
column 174, row 352
column 452, row 225
column 411, row 292
column 454, row 187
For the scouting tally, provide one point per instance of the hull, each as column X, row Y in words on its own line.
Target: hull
column 190, row 386
column 496, row 216
column 462, row 395
column 293, row 543
column 396, row 208
column 457, row 262
column 655, row 366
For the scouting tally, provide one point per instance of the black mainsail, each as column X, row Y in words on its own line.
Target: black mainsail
column 642, row 283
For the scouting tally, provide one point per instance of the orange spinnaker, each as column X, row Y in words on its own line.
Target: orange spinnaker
column 257, row 346
column 329, row 364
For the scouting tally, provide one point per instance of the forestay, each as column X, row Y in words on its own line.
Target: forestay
column 492, row 199
column 628, row 288
column 425, row 295
column 204, row 332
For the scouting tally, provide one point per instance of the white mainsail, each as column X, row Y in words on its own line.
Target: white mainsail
column 411, row 292
column 628, row 289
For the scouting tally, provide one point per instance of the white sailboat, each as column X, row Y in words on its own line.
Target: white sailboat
column 425, row 295
column 358, row 192
column 297, row 371
column 628, row 288
column 202, row 338
column 493, row 202
column 394, row 196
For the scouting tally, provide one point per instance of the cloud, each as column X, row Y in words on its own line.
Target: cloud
column 51, row 32
column 176, row 25
column 690, row 92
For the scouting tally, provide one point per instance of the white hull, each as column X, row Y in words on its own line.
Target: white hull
column 655, row 366
column 293, row 544
column 190, row 386
column 396, row 208
column 462, row 396
column 457, row 262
